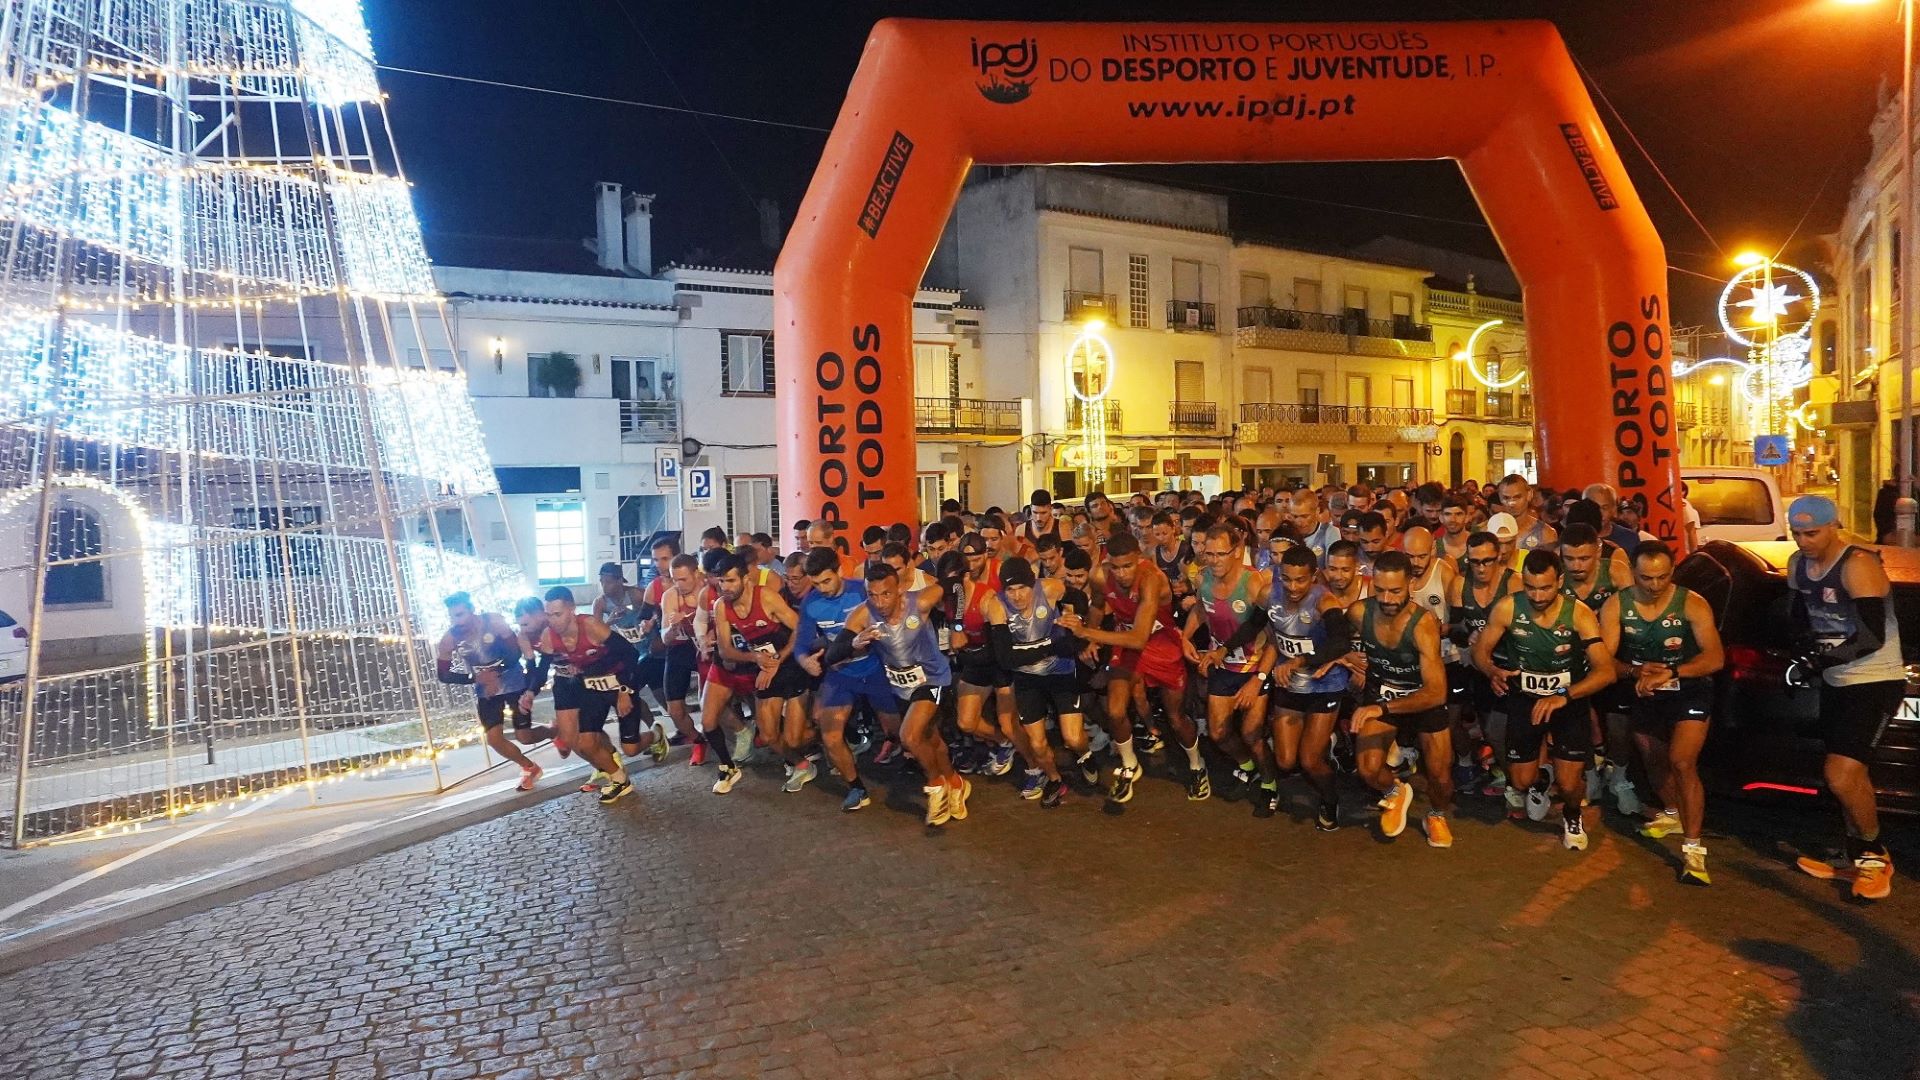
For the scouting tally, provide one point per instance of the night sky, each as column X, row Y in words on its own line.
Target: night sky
column 1757, row 110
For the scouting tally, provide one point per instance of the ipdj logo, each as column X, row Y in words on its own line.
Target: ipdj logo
column 1008, row 69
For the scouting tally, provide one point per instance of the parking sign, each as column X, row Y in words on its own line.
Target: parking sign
column 666, row 467
column 698, row 491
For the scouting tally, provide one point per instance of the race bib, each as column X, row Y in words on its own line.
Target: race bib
column 912, row 678
column 1295, row 646
column 631, row 633
column 1235, row 656
column 945, row 636
column 606, row 683
column 1545, row 684
column 1390, row 692
column 765, row 648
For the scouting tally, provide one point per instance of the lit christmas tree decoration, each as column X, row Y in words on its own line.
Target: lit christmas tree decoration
column 219, row 468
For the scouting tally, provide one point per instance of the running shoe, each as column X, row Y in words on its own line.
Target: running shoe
column 1694, row 868
column 614, row 791
column 1496, row 784
column 1660, row 827
column 855, row 800
column 1826, row 871
column 1054, row 794
column 1573, row 834
column 529, row 775
column 1000, row 760
column 1439, row 832
column 1626, row 797
column 1464, row 776
column 1123, row 779
column 593, row 782
column 1033, row 785
column 802, row 775
column 1199, row 786
column 659, row 747
column 937, row 812
column 1393, row 816
column 1516, row 804
column 729, row 776
column 1089, row 768
column 1266, row 801
column 1873, row 876
column 1148, row 742
column 966, row 759
column 1327, row 819
column 957, row 799
column 1239, row 783
column 860, row 746
column 1538, row 802
column 699, row 756
column 560, row 743
column 889, row 752
column 1395, row 755
column 1597, row 773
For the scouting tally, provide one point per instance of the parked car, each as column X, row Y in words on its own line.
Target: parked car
column 1736, row 504
column 1766, row 738
column 13, row 649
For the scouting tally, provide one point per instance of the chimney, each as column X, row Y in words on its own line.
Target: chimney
column 639, row 250
column 606, row 212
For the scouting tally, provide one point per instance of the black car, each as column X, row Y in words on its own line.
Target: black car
column 1766, row 740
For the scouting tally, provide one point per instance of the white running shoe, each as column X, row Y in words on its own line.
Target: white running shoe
column 1538, row 803
column 729, row 776
column 1573, row 835
column 800, row 776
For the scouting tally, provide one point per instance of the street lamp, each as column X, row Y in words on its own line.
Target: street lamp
column 1903, row 469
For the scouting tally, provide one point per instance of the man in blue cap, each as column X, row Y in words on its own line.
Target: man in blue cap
column 1842, row 608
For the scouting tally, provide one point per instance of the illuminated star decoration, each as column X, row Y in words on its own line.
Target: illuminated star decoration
column 1770, row 302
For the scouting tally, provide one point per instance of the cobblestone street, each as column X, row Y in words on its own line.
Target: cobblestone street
column 768, row 935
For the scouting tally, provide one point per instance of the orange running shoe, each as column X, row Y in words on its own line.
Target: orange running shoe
column 1824, row 870
column 1439, row 833
column 1873, row 876
column 1393, row 809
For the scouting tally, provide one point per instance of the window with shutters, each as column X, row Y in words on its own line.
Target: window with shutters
column 1189, row 380
column 1256, row 384
column 1086, row 270
column 1356, row 299
column 1255, row 291
column 1137, row 316
column 1359, row 391
column 753, row 505
column 1403, row 393
column 746, row 365
column 1187, row 280
column 1306, row 294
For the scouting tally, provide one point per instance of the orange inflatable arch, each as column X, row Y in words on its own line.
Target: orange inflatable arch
column 931, row 99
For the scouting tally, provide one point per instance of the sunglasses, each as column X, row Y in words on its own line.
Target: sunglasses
column 1483, row 562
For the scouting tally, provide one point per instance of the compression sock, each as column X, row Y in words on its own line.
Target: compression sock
column 721, row 744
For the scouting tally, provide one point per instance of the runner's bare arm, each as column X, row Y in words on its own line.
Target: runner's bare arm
column 1713, row 655
column 1600, row 670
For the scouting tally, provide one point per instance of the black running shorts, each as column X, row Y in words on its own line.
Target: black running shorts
column 1036, row 696
column 1571, row 728
column 495, row 710
column 1854, row 717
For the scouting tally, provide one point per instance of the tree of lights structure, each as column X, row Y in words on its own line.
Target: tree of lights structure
column 234, row 480
column 1774, row 323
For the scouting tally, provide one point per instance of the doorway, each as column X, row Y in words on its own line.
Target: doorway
column 1457, row 460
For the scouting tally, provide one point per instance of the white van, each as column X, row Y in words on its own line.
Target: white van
column 1736, row 504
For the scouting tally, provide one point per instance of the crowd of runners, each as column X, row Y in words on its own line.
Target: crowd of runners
column 1374, row 648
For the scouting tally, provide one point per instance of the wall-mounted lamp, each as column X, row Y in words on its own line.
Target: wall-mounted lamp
column 499, row 347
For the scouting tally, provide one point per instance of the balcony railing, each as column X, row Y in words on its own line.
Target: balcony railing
column 1687, row 412
column 1083, row 304
column 1463, row 403
column 1271, row 412
column 1506, row 406
column 1077, row 414
column 1194, row 315
column 1345, row 332
column 1272, row 318
column 649, row 421
column 1473, row 303
column 966, row 416
column 1193, row 416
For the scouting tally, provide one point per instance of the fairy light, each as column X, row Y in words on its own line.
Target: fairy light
column 1471, row 357
column 1091, row 357
column 269, row 538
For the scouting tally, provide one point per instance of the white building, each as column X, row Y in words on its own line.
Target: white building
column 585, row 382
